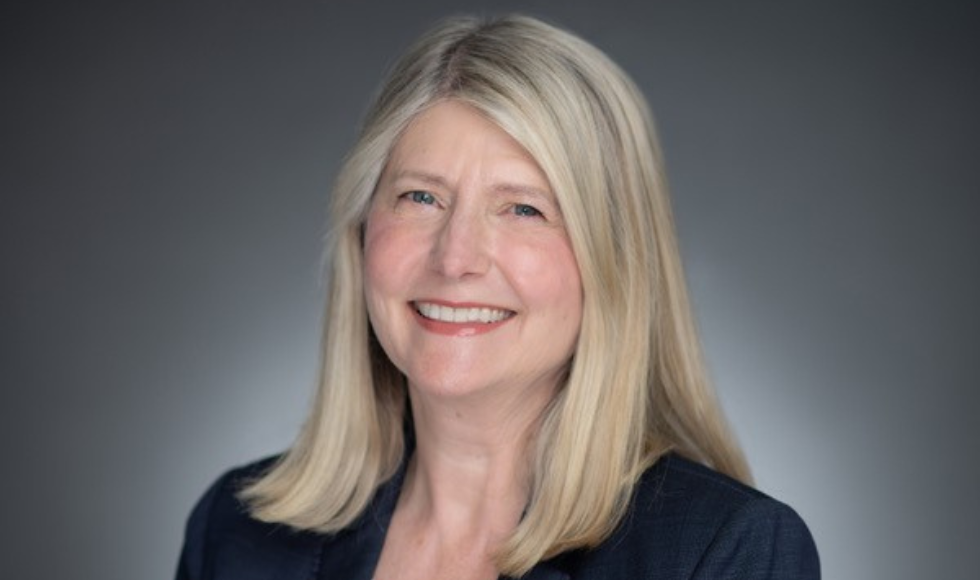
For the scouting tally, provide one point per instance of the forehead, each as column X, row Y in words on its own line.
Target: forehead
column 451, row 138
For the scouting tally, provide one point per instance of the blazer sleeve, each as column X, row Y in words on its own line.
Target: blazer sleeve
column 762, row 540
column 192, row 564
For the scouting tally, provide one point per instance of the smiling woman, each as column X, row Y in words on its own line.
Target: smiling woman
column 511, row 381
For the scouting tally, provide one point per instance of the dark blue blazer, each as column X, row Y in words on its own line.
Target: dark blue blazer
column 684, row 521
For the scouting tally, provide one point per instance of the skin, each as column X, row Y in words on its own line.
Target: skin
column 463, row 216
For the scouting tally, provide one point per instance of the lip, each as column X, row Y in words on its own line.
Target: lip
column 459, row 329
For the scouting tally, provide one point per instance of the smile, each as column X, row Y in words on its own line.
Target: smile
column 462, row 315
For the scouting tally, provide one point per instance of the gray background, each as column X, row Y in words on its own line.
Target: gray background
column 165, row 167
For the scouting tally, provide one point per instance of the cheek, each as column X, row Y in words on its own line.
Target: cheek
column 547, row 274
column 379, row 261
column 392, row 262
column 381, row 254
column 381, row 284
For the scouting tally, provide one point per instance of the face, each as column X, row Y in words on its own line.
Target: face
column 470, row 279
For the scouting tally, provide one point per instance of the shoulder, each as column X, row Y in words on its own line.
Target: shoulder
column 688, row 521
column 222, row 539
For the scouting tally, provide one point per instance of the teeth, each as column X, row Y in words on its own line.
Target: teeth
column 449, row 314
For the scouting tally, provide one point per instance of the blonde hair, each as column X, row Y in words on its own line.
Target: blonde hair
column 636, row 386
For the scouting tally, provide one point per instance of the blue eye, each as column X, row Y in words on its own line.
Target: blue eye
column 524, row 210
column 422, row 197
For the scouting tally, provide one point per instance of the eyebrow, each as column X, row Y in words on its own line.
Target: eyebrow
column 423, row 176
column 434, row 179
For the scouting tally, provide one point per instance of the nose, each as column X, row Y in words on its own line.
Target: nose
column 462, row 245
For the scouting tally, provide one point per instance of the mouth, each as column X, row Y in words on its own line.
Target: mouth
column 462, row 314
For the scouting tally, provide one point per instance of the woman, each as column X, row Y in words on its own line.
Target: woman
column 511, row 383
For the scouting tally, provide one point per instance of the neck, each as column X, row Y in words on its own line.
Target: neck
column 469, row 477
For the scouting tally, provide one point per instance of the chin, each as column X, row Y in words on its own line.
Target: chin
column 445, row 388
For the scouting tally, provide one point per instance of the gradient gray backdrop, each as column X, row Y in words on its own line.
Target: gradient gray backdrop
column 165, row 168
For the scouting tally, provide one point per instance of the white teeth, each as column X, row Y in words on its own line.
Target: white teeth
column 449, row 314
column 460, row 315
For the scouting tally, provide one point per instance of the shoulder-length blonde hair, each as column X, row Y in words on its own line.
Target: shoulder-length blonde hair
column 636, row 386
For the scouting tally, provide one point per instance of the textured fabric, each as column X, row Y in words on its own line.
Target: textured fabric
column 685, row 521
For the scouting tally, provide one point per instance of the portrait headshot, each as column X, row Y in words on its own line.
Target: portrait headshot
column 491, row 290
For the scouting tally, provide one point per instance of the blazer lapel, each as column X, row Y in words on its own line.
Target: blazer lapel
column 350, row 555
column 279, row 554
column 354, row 553
column 548, row 570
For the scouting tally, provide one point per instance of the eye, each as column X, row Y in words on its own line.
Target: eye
column 423, row 197
column 524, row 210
